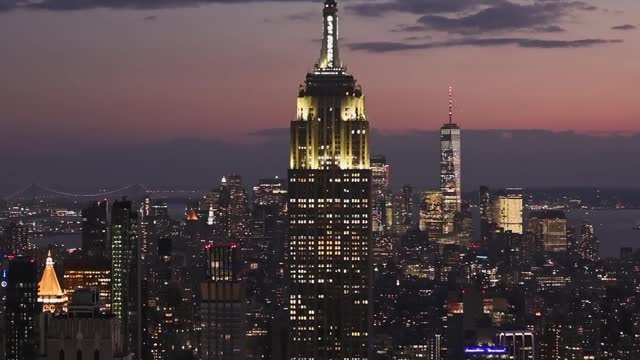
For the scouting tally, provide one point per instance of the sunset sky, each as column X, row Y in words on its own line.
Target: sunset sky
column 141, row 71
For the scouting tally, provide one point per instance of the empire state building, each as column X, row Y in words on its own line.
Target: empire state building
column 329, row 252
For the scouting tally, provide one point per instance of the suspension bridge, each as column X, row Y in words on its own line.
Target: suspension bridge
column 35, row 191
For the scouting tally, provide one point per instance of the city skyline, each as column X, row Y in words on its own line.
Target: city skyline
column 344, row 237
column 571, row 62
column 488, row 157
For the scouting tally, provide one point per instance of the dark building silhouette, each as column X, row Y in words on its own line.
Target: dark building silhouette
column 126, row 273
column 550, row 230
column 222, row 307
column 485, row 215
column 21, row 309
column 95, row 229
column 18, row 240
column 589, row 244
column 403, row 204
column 381, row 193
column 84, row 332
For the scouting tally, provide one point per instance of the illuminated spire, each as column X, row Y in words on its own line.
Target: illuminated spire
column 329, row 56
column 450, row 104
column 192, row 216
column 49, row 291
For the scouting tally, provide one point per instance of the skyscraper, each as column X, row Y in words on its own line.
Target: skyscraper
column 215, row 209
column 18, row 239
column 126, row 273
column 507, row 210
column 450, row 169
column 268, row 219
column 403, row 209
column 95, row 228
column 550, row 229
column 21, row 309
column 270, row 192
column 239, row 215
column 485, row 215
column 589, row 244
column 223, row 305
column 161, row 313
column 227, row 211
column 264, row 274
column 431, row 215
column 380, row 193
column 329, row 250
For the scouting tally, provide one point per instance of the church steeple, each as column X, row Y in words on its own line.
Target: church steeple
column 330, row 54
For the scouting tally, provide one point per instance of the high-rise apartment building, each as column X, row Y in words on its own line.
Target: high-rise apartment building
column 126, row 273
column 432, row 215
column 403, row 205
column 268, row 223
column 239, row 224
column 507, row 210
column 154, row 224
column 589, row 244
column 550, row 229
column 485, row 215
column 329, row 249
column 222, row 309
column 380, row 193
column 21, row 309
column 270, row 191
column 95, row 229
column 162, row 314
column 264, row 265
column 18, row 239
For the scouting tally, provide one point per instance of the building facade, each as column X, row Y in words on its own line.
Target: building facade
column 84, row 332
column 550, row 230
column 126, row 273
column 89, row 272
column 95, row 228
column 18, row 240
column 432, row 214
column 589, row 244
column 223, row 306
column 507, row 210
column 380, row 193
column 21, row 309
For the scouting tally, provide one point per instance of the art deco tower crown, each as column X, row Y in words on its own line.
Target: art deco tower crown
column 331, row 128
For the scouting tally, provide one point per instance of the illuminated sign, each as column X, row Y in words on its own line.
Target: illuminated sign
column 485, row 350
column 330, row 40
